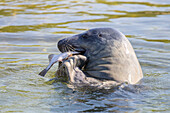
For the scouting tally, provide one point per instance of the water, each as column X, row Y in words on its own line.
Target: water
column 30, row 29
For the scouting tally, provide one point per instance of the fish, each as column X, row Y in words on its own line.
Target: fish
column 57, row 58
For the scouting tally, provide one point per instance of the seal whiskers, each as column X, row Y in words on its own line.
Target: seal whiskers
column 71, row 47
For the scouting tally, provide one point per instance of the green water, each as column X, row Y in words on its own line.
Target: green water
column 30, row 29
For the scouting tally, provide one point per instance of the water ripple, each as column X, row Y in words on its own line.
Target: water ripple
column 30, row 29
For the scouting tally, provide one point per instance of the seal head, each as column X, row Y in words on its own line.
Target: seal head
column 110, row 55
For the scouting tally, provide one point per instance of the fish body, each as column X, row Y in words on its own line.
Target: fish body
column 56, row 58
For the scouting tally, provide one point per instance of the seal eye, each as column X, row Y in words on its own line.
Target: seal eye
column 84, row 36
column 100, row 35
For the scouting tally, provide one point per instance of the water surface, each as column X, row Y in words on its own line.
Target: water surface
column 30, row 29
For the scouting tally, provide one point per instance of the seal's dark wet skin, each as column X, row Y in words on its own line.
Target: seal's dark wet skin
column 107, row 59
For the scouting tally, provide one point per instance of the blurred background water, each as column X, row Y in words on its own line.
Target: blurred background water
column 30, row 29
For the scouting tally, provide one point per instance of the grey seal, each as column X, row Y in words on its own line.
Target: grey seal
column 107, row 59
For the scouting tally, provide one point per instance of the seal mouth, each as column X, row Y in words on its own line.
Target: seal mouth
column 68, row 47
column 78, row 49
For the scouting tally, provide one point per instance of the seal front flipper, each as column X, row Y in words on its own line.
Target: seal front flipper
column 71, row 68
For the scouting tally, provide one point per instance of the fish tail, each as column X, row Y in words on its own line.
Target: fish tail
column 43, row 72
